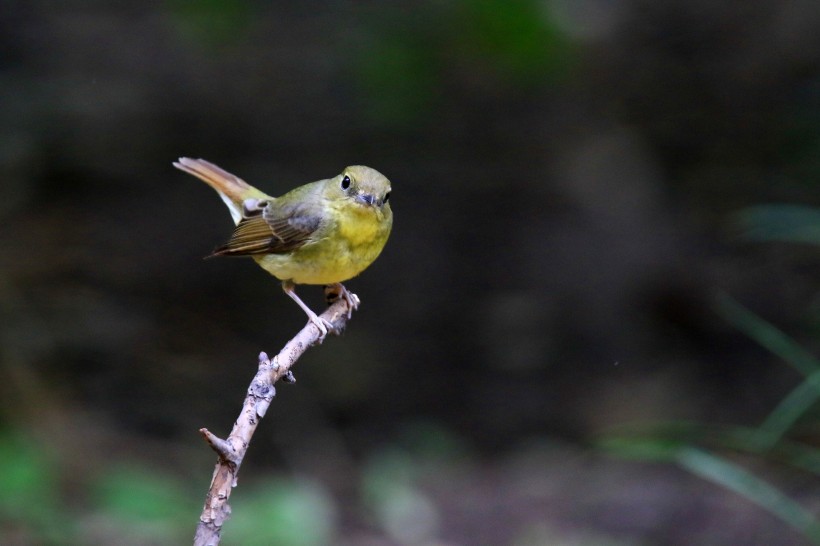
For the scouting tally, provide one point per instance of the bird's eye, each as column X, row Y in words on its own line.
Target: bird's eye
column 345, row 182
column 386, row 197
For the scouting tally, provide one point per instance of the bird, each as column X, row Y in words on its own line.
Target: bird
column 321, row 233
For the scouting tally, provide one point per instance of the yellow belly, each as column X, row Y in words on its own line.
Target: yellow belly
column 342, row 250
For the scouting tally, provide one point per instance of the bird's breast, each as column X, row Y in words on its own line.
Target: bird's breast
column 360, row 227
column 344, row 248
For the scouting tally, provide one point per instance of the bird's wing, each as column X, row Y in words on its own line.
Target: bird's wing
column 277, row 230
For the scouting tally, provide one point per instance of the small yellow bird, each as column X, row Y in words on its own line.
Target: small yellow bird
column 324, row 232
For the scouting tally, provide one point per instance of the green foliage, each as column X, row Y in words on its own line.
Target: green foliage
column 214, row 23
column 285, row 512
column 688, row 444
column 394, row 500
column 119, row 502
column 801, row 398
column 399, row 78
column 30, row 493
column 137, row 505
column 27, row 479
column 790, row 409
column 768, row 336
column 692, row 446
column 662, row 442
column 432, row 442
column 642, row 447
column 391, row 484
column 787, row 223
column 517, row 39
column 679, row 443
column 144, row 502
column 733, row 477
column 405, row 69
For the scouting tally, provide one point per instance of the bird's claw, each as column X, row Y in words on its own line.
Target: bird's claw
column 335, row 292
column 324, row 327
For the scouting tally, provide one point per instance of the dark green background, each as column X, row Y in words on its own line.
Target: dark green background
column 564, row 178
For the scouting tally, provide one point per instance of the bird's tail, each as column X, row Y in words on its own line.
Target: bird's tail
column 232, row 189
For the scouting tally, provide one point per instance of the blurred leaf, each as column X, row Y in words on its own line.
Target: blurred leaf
column 642, row 448
column 142, row 504
column 385, row 470
column 751, row 440
column 767, row 335
column 399, row 79
column 414, row 54
column 516, row 38
column 788, row 223
column 399, row 68
column 282, row 512
column 408, row 516
column 397, row 505
column 798, row 455
column 28, row 479
column 661, row 442
column 801, row 399
column 731, row 476
column 213, row 22
column 30, row 492
column 672, row 442
column 432, row 441
column 791, row 408
column 140, row 494
column 757, row 442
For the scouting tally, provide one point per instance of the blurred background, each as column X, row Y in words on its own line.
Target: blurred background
column 594, row 323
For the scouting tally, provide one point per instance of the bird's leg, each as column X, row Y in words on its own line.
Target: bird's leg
column 334, row 292
column 253, row 207
column 322, row 324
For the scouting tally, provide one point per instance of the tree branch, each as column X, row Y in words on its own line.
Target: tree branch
column 231, row 451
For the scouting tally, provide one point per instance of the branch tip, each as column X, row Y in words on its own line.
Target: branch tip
column 222, row 447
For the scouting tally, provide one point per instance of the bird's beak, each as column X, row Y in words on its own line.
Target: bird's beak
column 367, row 199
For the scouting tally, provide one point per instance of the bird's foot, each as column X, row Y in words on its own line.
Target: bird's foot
column 323, row 325
column 335, row 292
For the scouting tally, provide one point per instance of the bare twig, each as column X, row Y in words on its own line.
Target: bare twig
column 261, row 391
